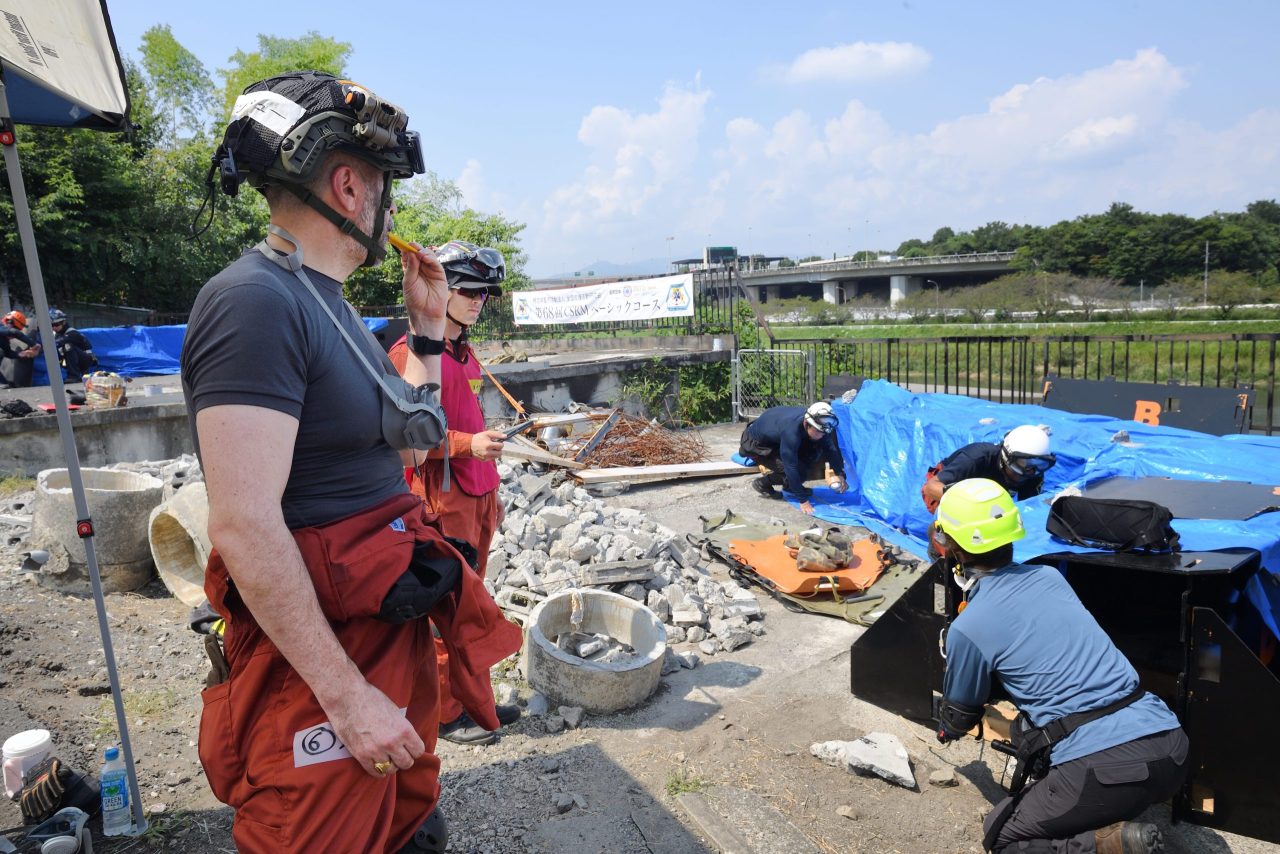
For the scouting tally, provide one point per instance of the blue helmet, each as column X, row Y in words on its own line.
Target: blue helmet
column 57, row 315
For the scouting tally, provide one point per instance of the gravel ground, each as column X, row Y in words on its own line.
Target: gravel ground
column 743, row 720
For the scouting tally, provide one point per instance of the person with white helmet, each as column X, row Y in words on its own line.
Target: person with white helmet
column 1102, row 750
column 787, row 442
column 1018, row 463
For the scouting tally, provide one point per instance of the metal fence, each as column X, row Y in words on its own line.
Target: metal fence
column 1012, row 369
column 766, row 378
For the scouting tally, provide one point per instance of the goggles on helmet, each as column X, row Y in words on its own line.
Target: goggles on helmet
column 825, row 423
column 463, row 262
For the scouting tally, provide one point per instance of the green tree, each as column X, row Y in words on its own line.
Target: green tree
column 183, row 89
column 1228, row 290
column 276, row 56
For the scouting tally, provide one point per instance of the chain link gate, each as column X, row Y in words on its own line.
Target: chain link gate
column 766, row 378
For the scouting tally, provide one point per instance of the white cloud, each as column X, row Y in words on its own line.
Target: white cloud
column 849, row 63
column 633, row 158
column 1043, row 150
column 471, row 183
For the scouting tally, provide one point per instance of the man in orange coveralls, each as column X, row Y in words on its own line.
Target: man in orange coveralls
column 321, row 737
column 469, row 510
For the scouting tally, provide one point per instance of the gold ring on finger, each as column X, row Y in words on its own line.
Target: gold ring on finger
column 382, row 767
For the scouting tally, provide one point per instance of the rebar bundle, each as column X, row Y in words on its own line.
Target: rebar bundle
column 632, row 441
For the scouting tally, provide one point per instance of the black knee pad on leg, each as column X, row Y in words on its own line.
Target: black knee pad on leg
column 431, row 837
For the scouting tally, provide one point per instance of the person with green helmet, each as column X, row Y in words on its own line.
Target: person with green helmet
column 1103, row 748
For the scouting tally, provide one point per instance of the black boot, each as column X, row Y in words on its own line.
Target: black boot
column 431, row 837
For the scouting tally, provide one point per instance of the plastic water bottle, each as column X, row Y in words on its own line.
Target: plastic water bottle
column 116, row 818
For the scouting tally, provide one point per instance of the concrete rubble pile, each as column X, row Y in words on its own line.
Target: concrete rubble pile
column 557, row 537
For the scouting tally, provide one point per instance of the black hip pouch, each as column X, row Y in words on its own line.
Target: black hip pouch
column 431, row 576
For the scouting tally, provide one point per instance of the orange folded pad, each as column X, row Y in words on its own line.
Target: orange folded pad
column 772, row 559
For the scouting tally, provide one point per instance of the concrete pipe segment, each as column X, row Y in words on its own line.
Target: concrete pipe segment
column 179, row 535
column 120, row 503
column 598, row 687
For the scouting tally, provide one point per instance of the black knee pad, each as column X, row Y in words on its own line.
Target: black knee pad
column 431, row 837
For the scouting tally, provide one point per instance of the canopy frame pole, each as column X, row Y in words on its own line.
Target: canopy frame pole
column 84, row 524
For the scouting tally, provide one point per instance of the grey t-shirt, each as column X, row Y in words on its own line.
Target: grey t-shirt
column 257, row 337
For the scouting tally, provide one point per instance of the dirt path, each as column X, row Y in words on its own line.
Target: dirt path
column 743, row 720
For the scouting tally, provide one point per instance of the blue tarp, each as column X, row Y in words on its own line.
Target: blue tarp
column 145, row 351
column 890, row 437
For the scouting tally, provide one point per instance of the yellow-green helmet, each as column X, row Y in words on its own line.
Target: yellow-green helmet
column 979, row 516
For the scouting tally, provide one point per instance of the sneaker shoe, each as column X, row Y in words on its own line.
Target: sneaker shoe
column 508, row 715
column 1129, row 837
column 463, row 730
column 764, row 487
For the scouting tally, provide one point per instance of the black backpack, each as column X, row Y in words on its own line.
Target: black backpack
column 1114, row 524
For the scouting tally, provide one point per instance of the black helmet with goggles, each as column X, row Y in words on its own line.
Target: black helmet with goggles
column 466, row 264
column 284, row 127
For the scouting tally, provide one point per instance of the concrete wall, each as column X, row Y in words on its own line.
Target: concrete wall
column 103, row 436
column 161, row 431
column 552, row 388
column 901, row 287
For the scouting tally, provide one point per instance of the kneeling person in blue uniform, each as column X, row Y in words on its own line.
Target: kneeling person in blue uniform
column 788, row 442
column 1108, row 749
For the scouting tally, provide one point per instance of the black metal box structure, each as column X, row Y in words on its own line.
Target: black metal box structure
column 1180, row 620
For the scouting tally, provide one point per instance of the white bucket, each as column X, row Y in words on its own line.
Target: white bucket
column 22, row 752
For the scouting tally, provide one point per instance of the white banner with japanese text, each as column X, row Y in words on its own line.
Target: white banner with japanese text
column 640, row 299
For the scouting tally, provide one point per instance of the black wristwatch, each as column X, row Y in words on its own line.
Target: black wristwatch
column 425, row 346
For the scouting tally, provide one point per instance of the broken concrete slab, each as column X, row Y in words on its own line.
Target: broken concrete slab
column 878, row 753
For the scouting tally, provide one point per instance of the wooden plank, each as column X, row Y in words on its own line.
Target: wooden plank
column 598, row 436
column 543, row 419
column 715, row 827
column 521, row 448
column 649, row 474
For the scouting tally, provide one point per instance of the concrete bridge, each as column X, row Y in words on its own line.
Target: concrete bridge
column 846, row 279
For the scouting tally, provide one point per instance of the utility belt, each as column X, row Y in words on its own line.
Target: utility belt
column 1032, row 746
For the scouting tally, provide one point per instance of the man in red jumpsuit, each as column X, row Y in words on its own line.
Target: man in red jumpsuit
column 321, row 736
column 470, row 510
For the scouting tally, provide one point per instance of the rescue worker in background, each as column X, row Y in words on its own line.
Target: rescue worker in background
column 1018, row 463
column 1114, row 748
column 787, row 442
column 18, row 350
column 321, row 737
column 470, row 510
column 75, row 353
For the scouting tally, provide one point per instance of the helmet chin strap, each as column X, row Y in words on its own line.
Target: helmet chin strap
column 375, row 252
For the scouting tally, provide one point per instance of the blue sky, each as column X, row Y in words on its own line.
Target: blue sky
column 643, row 131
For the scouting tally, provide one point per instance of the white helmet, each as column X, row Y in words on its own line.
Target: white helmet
column 1025, row 450
column 820, row 417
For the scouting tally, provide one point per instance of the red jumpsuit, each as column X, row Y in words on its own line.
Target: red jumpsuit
column 265, row 742
column 469, row 510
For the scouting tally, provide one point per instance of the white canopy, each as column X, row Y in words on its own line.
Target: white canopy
column 61, row 64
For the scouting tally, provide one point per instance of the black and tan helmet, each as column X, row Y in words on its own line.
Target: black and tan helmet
column 282, row 128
